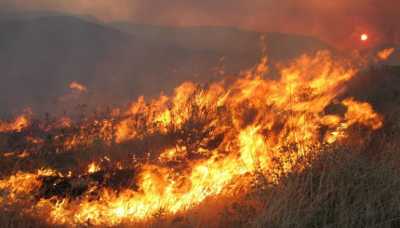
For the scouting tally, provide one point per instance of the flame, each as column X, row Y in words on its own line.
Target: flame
column 385, row 54
column 19, row 123
column 219, row 138
column 93, row 167
column 358, row 112
column 23, row 183
column 78, row 87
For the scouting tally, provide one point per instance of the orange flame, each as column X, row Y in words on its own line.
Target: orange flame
column 20, row 123
column 223, row 135
column 93, row 167
column 78, row 87
column 385, row 54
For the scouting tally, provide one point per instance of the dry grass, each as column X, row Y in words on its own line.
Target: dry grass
column 356, row 186
column 344, row 187
column 341, row 189
column 13, row 219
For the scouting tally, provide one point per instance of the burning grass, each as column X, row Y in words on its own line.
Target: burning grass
column 249, row 151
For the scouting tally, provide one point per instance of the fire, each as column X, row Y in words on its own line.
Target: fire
column 19, row 123
column 385, row 54
column 23, row 183
column 361, row 113
column 78, row 87
column 93, row 167
column 214, row 140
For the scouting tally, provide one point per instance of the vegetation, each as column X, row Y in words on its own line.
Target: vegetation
column 349, row 184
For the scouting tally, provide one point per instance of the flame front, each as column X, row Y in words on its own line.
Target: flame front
column 17, row 125
column 220, row 137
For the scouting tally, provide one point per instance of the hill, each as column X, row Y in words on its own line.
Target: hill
column 41, row 54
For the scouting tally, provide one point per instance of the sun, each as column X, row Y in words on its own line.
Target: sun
column 364, row 37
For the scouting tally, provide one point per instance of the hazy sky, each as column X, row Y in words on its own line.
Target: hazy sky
column 337, row 21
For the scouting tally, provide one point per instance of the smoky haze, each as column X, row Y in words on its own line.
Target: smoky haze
column 122, row 49
column 337, row 22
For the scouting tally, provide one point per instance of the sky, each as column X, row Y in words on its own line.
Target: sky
column 340, row 22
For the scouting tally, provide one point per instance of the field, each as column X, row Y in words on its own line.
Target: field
column 317, row 146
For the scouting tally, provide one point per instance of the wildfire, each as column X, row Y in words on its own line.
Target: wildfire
column 214, row 140
column 93, row 167
column 20, row 123
column 385, row 54
column 78, row 87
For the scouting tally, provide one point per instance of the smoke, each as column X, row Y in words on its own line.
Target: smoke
column 336, row 21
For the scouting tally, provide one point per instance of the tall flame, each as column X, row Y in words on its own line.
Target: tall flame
column 221, row 136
